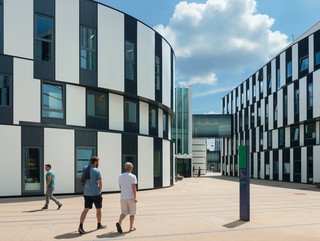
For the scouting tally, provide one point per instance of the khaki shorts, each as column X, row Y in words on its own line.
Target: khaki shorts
column 128, row 206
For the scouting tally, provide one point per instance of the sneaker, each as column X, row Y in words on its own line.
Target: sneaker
column 100, row 226
column 59, row 206
column 81, row 231
column 44, row 208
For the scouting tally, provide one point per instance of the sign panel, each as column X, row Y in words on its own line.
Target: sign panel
column 244, row 181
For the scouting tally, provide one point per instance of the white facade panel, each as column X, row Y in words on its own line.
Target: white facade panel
column 166, row 163
column 317, row 132
column 287, row 137
column 295, row 62
column 282, row 69
column 160, row 122
column 263, row 115
column 144, row 118
column 67, row 40
column 146, row 60
column 311, row 53
column 18, row 25
column 271, row 112
column 304, row 165
column 250, row 91
column 10, row 181
column 166, row 74
column 169, row 127
column 316, row 98
column 111, row 49
column 60, row 154
column 280, row 107
column 273, row 76
column 145, row 167
column 109, row 152
column 26, row 106
column 116, row 112
column 290, row 104
column 316, row 164
column 255, row 165
column 75, row 105
column 265, row 138
column 265, row 91
column 303, row 99
column 275, row 139
column 301, row 135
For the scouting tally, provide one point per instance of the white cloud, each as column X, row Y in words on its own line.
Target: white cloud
column 219, row 36
column 213, row 91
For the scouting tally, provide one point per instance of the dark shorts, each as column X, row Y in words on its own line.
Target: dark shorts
column 89, row 200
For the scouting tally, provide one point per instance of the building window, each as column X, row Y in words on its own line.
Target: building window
column 44, row 38
column 153, row 117
column 165, row 125
column 5, row 82
column 296, row 101
column 32, row 172
column 269, row 82
column 310, row 131
column 304, row 64
column 261, row 86
column 84, row 155
column 289, row 69
column 130, row 111
column 295, row 135
column 317, row 58
column 88, row 48
column 254, row 90
column 270, row 139
column 278, row 79
column 158, row 73
column 96, row 104
column 129, row 60
column 52, row 101
column 248, row 94
column 281, row 137
column 310, row 96
column 285, row 105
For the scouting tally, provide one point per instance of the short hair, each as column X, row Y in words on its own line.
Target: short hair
column 128, row 166
column 48, row 165
column 94, row 159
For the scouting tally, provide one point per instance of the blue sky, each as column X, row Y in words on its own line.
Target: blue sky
column 220, row 43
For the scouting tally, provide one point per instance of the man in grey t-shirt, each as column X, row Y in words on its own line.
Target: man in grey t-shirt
column 92, row 192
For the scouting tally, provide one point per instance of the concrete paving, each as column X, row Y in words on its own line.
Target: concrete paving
column 204, row 208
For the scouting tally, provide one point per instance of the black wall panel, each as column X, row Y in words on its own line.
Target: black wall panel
column 157, row 146
column 86, row 138
column 32, row 136
column 6, row 68
column 158, row 52
column 1, row 26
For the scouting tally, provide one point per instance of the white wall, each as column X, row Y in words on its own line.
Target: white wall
column 75, row 105
column 146, row 60
column 145, row 166
column 111, row 48
column 166, row 163
column 115, row 112
column 18, row 28
column 10, row 178
column 59, row 152
column 160, row 122
column 26, row 93
column 303, row 99
column 67, row 40
column 316, row 97
column 109, row 152
column 280, row 107
column 316, row 163
column 288, row 137
column 311, row 53
column 290, row 104
column 271, row 112
column 166, row 74
column 304, row 164
column 295, row 62
column 144, row 118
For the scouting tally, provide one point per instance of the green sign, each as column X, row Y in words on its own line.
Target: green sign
column 243, row 157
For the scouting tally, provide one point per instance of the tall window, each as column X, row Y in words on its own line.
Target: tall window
column 296, row 101
column 281, row 137
column 84, row 155
column 304, row 64
column 270, row 139
column 88, row 48
column 269, row 82
column 157, row 73
column 275, row 108
column 130, row 111
column 32, row 172
column 130, row 60
column 285, row 105
column 52, row 101
column 317, row 58
column 278, row 79
column 254, row 90
column 295, row 133
column 5, row 90
column 96, row 104
column 310, row 131
column 153, row 117
column 44, row 38
column 310, row 96
column 289, row 69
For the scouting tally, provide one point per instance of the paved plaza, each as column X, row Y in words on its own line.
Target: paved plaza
column 204, row 208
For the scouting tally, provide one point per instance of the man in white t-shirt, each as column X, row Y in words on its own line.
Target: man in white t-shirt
column 127, row 184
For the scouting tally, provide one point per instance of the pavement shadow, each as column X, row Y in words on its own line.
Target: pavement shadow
column 72, row 235
column 33, row 211
column 111, row 235
column 234, row 224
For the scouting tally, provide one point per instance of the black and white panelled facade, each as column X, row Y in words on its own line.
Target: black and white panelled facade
column 276, row 112
column 78, row 78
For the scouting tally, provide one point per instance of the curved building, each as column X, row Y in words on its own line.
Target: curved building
column 276, row 112
column 78, row 78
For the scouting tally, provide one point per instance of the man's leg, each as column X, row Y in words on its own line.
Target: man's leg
column 99, row 215
column 131, row 222
column 82, row 218
column 47, row 199
column 53, row 198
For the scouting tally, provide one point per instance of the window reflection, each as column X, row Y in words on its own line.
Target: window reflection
column 96, row 104
column 52, row 101
column 129, row 60
column 304, row 64
column 88, row 48
column 44, row 38
column 32, row 169
column 130, row 111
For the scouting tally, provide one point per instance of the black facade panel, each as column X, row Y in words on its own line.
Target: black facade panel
column 286, row 165
column 171, row 164
column 6, row 68
column 303, row 50
column 316, row 47
column 86, row 138
column 45, row 7
column 88, row 77
column 1, row 26
column 288, row 59
column 130, row 151
column 32, row 136
column 131, row 35
column 44, row 70
column 97, row 123
column 157, row 146
column 158, row 52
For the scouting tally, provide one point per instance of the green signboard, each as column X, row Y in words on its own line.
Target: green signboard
column 242, row 156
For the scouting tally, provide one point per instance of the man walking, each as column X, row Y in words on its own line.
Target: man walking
column 50, row 179
column 127, row 184
column 92, row 192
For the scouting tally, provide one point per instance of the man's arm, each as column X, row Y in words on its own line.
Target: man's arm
column 134, row 191
column 48, row 180
column 100, row 184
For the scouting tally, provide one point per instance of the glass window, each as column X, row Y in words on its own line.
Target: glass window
column 158, row 73
column 96, row 104
column 52, row 101
column 5, row 90
column 281, row 137
column 88, row 48
column 261, row 86
column 270, row 139
column 296, row 101
column 129, row 60
column 32, row 169
column 157, row 163
column 130, row 111
column 295, row 133
column 248, row 94
column 44, row 38
column 275, row 111
column 310, row 95
column 165, row 122
column 84, row 155
column 317, row 58
column 285, row 105
column 269, row 82
column 254, row 91
column 310, row 131
column 304, row 64
column 278, row 79
column 153, row 117
column 289, row 69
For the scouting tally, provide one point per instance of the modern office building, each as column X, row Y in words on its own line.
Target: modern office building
column 78, row 78
column 276, row 112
